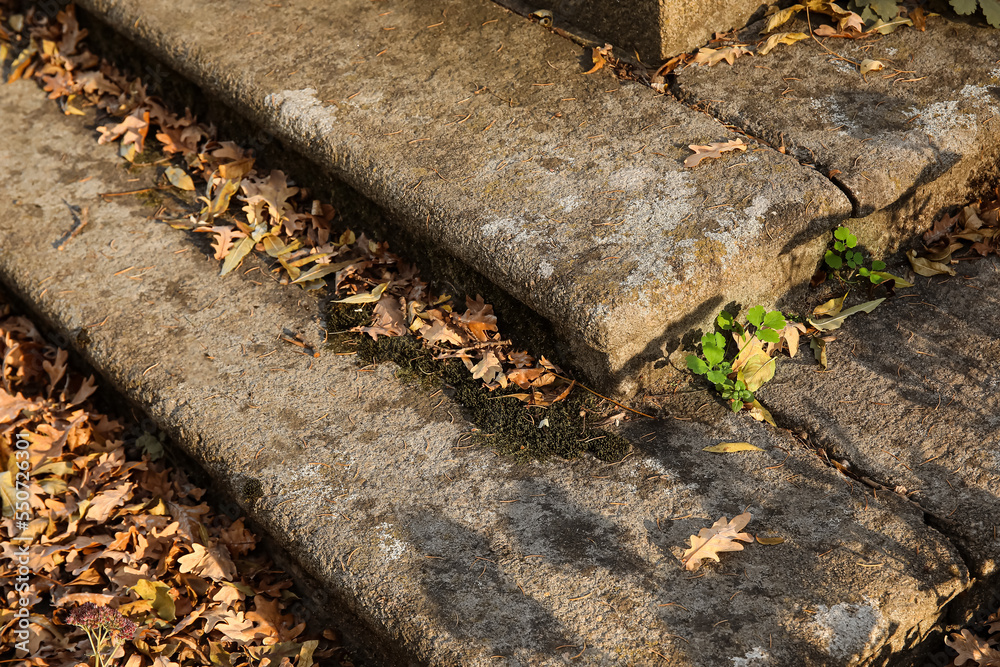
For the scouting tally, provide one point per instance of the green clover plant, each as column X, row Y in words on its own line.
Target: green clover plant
column 738, row 376
column 843, row 255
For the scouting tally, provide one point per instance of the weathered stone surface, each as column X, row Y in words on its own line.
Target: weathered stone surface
column 566, row 190
column 655, row 29
column 450, row 555
column 913, row 143
column 912, row 399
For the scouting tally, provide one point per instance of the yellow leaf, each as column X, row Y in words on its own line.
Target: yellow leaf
column 781, row 38
column 598, row 59
column 869, row 65
column 761, row 414
column 179, row 178
column 818, row 346
column 158, row 595
column 729, row 447
column 925, row 267
column 758, row 370
column 236, row 255
column 831, row 307
column 770, row 540
column 374, row 296
column 782, row 17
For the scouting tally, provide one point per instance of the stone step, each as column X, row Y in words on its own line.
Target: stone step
column 446, row 554
column 483, row 138
column 654, row 30
column 905, row 143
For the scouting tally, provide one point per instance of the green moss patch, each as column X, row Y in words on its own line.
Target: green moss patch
column 505, row 424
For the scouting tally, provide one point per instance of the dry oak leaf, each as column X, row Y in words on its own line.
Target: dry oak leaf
column 709, row 542
column 707, row 56
column 478, row 318
column 971, row 647
column 213, row 563
column 712, row 151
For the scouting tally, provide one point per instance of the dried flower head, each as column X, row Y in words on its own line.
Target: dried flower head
column 99, row 617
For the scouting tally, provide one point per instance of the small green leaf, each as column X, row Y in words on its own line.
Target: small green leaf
column 775, row 320
column 883, row 276
column 841, row 233
column 716, row 377
column 696, row 365
column 878, row 265
column 833, row 260
column 755, row 315
column 768, row 335
column 713, row 355
column 725, row 321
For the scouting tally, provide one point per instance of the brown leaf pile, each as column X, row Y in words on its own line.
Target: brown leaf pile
column 277, row 218
column 109, row 527
column 977, row 225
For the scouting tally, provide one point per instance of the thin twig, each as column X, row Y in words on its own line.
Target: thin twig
column 624, row 407
column 822, row 45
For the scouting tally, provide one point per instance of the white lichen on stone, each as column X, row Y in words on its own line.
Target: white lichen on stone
column 752, row 658
column 847, row 629
column 545, row 269
column 389, row 545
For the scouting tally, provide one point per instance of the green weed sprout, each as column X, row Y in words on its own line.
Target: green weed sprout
column 736, row 386
column 842, row 255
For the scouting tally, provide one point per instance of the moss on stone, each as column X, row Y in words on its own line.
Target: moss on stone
column 506, row 424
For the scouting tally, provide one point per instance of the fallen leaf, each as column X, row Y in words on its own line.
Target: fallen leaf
column 158, row 595
column 179, row 178
column 365, row 297
column 869, row 65
column 213, row 563
column 831, row 307
column 707, row 56
column 831, row 323
column 729, row 447
column 781, row 38
column 770, row 541
column 710, row 542
column 783, row 16
column 925, row 267
column 818, row 346
column 885, row 276
column 712, row 151
column 760, row 413
column 972, row 647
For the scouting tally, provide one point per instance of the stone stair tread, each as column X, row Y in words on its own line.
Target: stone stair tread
column 359, row 477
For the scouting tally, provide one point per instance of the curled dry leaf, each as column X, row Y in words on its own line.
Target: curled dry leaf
column 710, row 542
column 927, row 268
column 707, row 56
column 835, row 322
column 712, row 151
column 869, row 65
column 781, row 38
